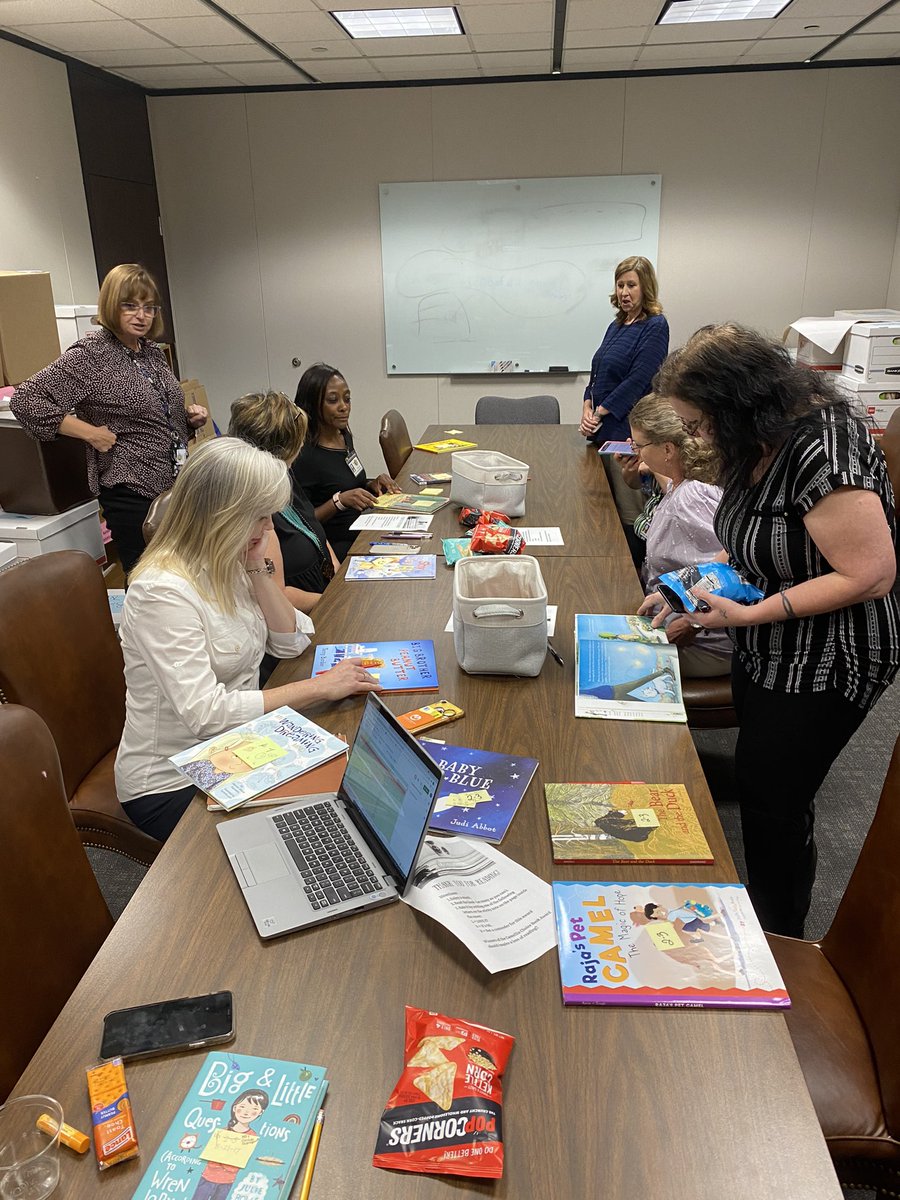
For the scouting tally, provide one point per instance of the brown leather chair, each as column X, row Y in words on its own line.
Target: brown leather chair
column 395, row 442
column 52, row 916
column 155, row 516
column 843, row 1020
column 709, row 702
column 60, row 656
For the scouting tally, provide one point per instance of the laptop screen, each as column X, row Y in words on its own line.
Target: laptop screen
column 391, row 784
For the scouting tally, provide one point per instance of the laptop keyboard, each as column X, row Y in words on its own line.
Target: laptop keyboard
column 329, row 861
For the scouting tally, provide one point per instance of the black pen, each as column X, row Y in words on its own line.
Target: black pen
column 555, row 653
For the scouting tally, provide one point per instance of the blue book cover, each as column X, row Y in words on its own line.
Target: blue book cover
column 391, row 566
column 241, row 1130
column 481, row 789
column 625, row 670
column 398, row 666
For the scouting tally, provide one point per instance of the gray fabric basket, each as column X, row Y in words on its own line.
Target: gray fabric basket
column 487, row 479
column 500, row 615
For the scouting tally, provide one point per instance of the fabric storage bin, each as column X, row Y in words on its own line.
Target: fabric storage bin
column 488, row 479
column 500, row 615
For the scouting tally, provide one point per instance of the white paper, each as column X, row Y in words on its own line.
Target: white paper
column 551, row 621
column 497, row 908
column 401, row 522
column 541, row 535
column 827, row 332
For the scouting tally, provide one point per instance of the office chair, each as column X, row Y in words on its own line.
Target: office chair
column 709, row 703
column 155, row 516
column 52, row 915
column 395, row 442
column 844, row 993
column 529, row 410
column 60, row 656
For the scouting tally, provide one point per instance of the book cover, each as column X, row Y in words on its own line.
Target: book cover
column 406, row 503
column 391, row 566
column 241, row 1130
column 481, row 789
column 398, row 666
column 625, row 670
column 446, row 446
column 624, row 822
column 692, row 945
column 425, row 479
column 240, row 765
column 324, row 779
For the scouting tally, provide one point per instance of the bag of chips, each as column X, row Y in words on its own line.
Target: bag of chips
column 497, row 539
column 445, row 1116
column 716, row 578
column 470, row 517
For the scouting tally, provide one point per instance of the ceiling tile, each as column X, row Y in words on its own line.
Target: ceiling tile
column 499, row 42
column 525, row 61
column 708, row 31
column 812, row 10
column 867, row 45
column 39, row 12
column 588, row 14
column 424, row 64
column 510, row 18
column 90, row 36
column 826, row 27
column 262, row 73
column 888, row 23
column 240, row 8
column 407, row 47
column 709, row 53
column 334, row 70
column 337, row 48
column 161, row 57
column 790, row 49
column 246, row 52
column 197, row 31
column 292, row 27
column 165, row 77
column 577, row 39
column 407, row 76
column 600, row 58
column 157, row 8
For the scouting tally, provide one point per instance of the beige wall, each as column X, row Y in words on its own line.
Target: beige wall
column 781, row 193
column 43, row 214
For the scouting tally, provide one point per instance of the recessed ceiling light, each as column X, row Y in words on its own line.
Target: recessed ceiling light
column 679, row 12
column 399, row 22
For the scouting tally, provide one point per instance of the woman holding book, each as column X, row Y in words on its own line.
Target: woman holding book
column 328, row 468
column 202, row 608
column 807, row 515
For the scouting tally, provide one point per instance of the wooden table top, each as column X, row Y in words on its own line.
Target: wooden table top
column 665, row 1104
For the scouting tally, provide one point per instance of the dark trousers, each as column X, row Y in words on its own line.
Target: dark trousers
column 124, row 512
column 785, row 748
column 160, row 813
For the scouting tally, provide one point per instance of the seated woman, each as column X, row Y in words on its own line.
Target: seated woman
column 304, row 561
column 680, row 532
column 328, row 468
column 202, row 607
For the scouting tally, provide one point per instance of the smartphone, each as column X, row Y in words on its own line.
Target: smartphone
column 182, row 1024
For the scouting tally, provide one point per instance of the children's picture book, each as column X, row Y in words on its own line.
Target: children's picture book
column 405, row 503
column 326, row 778
column 692, row 945
column 446, row 446
column 625, row 670
column 425, row 480
column 624, row 822
column 481, row 789
column 398, row 666
column 242, row 1130
column 391, row 566
column 240, row 765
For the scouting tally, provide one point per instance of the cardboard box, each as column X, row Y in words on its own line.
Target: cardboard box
column 820, row 341
column 77, row 529
column 73, row 321
column 28, row 336
column 872, row 352
column 195, row 393
column 874, row 402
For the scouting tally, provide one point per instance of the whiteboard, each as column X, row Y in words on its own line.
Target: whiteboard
column 507, row 274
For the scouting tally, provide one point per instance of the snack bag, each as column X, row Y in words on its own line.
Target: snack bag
column 497, row 539
column 455, row 549
column 475, row 516
column 717, row 578
column 445, row 1115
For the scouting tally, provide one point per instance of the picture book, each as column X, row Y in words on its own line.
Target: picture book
column 398, row 666
column 326, row 778
column 446, row 446
column 693, row 945
column 240, row 765
column 625, row 670
column 405, row 503
column 423, row 480
column 391, row 566
column 624, row 822
column 481, row 789
column 242, row 1128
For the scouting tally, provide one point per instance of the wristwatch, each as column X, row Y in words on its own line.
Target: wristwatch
column 336, row 501
column 268, row 569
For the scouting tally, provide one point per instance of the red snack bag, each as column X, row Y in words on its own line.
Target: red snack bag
column 445, row 1116
column 497, row 539
column 475, row 516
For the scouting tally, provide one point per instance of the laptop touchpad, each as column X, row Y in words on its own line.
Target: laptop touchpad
column 264, row 863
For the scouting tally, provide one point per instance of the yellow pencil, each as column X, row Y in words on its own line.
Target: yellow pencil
column 311, row 1159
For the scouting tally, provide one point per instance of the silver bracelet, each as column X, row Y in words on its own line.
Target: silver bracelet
column 786, row 605
column 268, row 569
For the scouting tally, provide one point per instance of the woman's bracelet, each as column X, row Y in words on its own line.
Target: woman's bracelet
column 268, row 569
column 787, row 606
column 336, row 501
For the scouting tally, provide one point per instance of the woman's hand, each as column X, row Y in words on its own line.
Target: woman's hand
column 723, row 614
column 348, row 678
column 590, row 420
column 383, row 484
column 654, row 603
column 631, row 467
column 102, row 439
column 196, row 415
column 358, row 498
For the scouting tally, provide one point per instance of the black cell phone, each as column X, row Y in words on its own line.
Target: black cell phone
column 169, row 1025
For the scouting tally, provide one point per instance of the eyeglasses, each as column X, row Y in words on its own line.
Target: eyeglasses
column 151, row 310
column 692, row 428
column 641, row 445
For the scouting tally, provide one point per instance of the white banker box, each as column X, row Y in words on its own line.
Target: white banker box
column 872, row 352
column 76, row 529
column 876, row 402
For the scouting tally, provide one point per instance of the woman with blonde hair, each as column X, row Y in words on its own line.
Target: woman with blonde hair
column 202, row 608
column 114, row 391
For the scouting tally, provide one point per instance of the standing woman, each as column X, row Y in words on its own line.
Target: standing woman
column 114, row 391
column 807, row 515
column 328, row 468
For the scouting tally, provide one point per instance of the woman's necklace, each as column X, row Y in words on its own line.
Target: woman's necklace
column 296, row 519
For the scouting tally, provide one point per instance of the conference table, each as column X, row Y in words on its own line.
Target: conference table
column 663, row 1104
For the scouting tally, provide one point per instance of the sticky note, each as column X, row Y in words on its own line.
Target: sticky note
column 431, row 492
column 258, row 751
column 663, row 936
column 463, row 800
column 645, row 818
column 230, row 1148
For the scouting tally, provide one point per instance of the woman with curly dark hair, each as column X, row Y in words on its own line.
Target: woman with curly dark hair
column 807, row 515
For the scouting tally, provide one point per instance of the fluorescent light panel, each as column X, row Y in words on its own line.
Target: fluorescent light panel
column 680, row 12
column 399, row 22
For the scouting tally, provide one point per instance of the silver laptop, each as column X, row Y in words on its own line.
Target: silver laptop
column 330, row 855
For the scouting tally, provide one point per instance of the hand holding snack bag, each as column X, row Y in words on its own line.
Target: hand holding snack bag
column 445, row 1115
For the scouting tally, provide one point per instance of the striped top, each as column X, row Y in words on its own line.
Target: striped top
column 856, row 649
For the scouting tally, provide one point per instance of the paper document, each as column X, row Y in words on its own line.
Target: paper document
column 403, row 523
column 541, row 535
column 551, row 621
column 498, row 909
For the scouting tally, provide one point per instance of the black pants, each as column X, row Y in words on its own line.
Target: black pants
column 160, row 813
column 124, row 512
column 785, row 748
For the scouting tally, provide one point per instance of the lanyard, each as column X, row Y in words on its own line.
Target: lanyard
column 178, row 450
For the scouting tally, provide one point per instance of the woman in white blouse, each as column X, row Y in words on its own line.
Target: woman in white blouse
column 201, row 609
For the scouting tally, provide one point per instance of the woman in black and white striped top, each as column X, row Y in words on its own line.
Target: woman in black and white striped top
column 807, row 515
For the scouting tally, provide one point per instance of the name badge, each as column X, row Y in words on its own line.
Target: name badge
column 354, row 464
column 180, row 457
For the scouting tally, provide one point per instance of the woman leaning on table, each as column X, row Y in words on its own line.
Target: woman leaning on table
column 329, row 469
column 202, row 608
column 114, row 391
column 807, row 515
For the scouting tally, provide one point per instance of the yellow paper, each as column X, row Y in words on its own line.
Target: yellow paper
column 230, row 1148
column 663, row 935
column 258, row 751
column 444, row 447
column 431, row 492
column 463, row 800
column 645, row 818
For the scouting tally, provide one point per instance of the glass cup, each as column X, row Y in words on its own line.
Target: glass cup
column 29, row 1159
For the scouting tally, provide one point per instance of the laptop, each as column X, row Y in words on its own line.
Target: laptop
column 331, row 855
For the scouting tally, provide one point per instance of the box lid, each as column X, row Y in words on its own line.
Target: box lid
column 827, row 332
column 866, row 389
column 869, row 329
column 869, row 314
column 34, row 529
